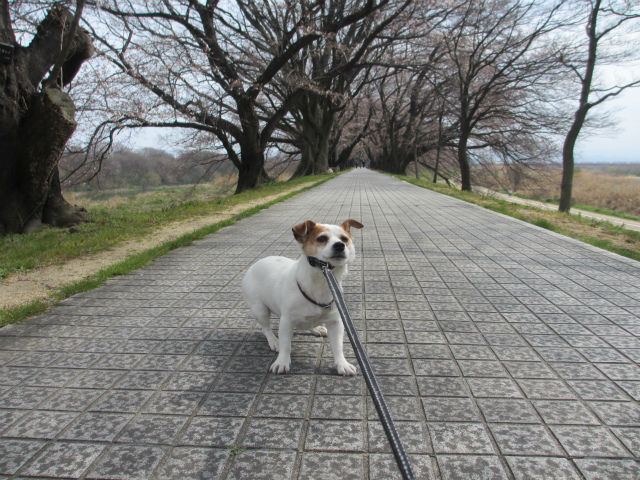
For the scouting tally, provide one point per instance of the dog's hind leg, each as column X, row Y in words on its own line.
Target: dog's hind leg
column 263, row 316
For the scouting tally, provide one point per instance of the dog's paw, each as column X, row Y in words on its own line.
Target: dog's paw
column 346, row 369
column 319, row 331
column 280, row 366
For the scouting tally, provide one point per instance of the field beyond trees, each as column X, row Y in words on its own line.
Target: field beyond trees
column 611, row 187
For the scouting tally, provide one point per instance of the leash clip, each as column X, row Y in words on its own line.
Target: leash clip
column 315, row 262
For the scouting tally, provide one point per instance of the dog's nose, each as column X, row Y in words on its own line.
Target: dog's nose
column 338, row 247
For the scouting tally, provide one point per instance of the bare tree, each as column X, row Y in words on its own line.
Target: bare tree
column 607, row 26
column 329, row 74
column 36, row 115
column 204, row 66
column 503, row 74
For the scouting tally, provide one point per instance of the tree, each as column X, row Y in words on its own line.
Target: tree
column 328, row 75
column 206, row 65
column 502, row 74
column 604, row 20
column 37, row 117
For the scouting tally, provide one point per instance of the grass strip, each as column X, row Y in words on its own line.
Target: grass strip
column 17, row 314
column 599, row 233
column 120, row 219
column 586, row 208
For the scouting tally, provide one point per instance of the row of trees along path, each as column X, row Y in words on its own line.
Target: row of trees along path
column 440, row 85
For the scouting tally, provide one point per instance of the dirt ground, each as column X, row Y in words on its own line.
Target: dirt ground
column 39, row 283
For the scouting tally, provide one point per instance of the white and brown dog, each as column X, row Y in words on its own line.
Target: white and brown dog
column 299, row 294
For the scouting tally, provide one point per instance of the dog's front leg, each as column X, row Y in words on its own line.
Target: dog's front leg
column 336, row 334
column 285, row 334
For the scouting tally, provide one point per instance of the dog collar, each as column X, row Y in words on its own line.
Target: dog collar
column 315, row 262
column 323, row 305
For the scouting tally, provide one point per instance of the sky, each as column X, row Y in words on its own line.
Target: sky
column 621, row 145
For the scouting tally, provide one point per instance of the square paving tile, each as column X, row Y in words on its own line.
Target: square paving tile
column 193, row 462
column 332, row 466
column 454, row 467
column 95, row 426
column 588, row 442
column 412, row 435
column 25, row 397
column 617, row 413
column 64, row 460
column 494, row 387
column 593, row 469
column 289, row 406
column 401, row 408
column 262, row 465
column 384, row 466
column 534, row 468
column 273, row 433
column 174, row 403
column 72, row 399
column 211, row 432
column 41, row 424
column 335, row 435
column 157, row 429
column 449, row 409
column 15, row 453
column 460, row 438
column 441, row 387
column 122, row 401
column 337, row 407
column 524, row 440
column 124, row 462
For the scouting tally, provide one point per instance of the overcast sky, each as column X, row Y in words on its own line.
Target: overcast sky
column 621, row 145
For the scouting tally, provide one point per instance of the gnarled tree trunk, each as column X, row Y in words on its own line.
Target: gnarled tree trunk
column 36, row 121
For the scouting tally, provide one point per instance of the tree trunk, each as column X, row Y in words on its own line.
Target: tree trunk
column 251, row 173
column 36, row 125
column 566, row 186
column 315, row 136
column 314, row 157
column 463, row 162
column 33, row 167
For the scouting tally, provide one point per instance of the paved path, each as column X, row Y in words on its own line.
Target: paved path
column 504, row 351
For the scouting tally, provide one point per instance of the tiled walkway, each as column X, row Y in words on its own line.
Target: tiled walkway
column 504, row 351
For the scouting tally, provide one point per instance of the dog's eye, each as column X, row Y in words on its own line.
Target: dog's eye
column 322, row 238
column 344, row 239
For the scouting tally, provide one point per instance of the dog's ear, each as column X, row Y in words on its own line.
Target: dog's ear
column 302, row 230
column 347, row 224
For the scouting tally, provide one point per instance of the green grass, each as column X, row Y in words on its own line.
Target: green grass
column 137, row 261
column 132, row 216
column 604, row 211
column 544, row 223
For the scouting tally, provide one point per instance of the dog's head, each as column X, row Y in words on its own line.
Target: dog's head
column 329, row 243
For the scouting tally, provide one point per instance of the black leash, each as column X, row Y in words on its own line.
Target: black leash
column 378, row 400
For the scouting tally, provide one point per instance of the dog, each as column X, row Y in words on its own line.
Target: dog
column 299, row 294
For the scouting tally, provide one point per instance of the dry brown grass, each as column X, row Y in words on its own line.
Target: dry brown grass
column 226, row 180
column 618, row 193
